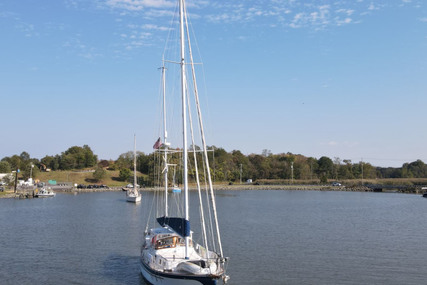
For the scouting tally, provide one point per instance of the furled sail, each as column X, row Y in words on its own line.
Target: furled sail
column 180, row 225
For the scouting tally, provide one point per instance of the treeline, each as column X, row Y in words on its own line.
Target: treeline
column 225, row 166
column 73, row 158
column 233, row 166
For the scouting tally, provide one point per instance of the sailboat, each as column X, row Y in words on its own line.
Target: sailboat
column 173, row 251
column 175, row 188
column 132, row 194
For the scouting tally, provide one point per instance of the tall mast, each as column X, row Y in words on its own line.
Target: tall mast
column 184, row 120
column 165, row 136
column 134, row 164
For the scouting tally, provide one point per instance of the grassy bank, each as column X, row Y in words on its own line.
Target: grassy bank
column 83, row 177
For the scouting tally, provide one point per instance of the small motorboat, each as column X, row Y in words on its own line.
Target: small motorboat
column 43, row 193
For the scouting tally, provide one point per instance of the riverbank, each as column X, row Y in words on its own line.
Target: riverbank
column 239, row 187
column 225, row 187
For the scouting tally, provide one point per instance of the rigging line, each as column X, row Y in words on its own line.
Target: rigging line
column 202, row 216
column 171, row 25
column 159, row 108
column 155, row 194
column 152, row 201
column 204, row 142
column 203, row 74
column 178, row 204
column 204, row 149
column 211, row 228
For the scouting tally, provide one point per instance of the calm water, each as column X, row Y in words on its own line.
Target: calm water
column 272, row 237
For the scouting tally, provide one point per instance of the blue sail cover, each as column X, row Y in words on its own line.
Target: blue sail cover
column 180, row 225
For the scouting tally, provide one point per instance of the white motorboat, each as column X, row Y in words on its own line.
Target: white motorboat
column 43, row 193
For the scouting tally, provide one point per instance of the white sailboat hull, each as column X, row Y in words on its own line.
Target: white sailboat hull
column 156, row 279
column 162, row 260
column 133, row 199
column 164, row 278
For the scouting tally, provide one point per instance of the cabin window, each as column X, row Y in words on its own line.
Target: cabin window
column 168, row 242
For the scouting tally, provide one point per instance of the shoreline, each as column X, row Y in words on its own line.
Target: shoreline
column 27, row 193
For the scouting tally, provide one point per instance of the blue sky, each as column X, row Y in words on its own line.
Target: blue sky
column 338, row 78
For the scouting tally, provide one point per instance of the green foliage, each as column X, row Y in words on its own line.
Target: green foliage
column 417, row 168
column 99, row 173
column 225, row 166
column 5, row 167
column 323, row 178
column 143, row 162
column 22, row 162
column 24, row 156
column 73, row 158
column 125, row 160
column 228, row 166
column 125, row 174
column 77, row 158
column 326, row 167
column 14, row 161
column 50, row 162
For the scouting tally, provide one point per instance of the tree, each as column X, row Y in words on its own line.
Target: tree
column 337, row 166
column 125, row 174
column 266, row 152
column 104, row 163
column 313, row 164
column 326, row 167
column 47, row 162
column 369, row 172
column 67, row 161
column 77, row 158
column 417, row 169
column 143, row 162
column 344, row 171
column 5, row 167
column 24, row 156
column 99, row 173
column 125, row 160
column 90, row 157
column 14, row 161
